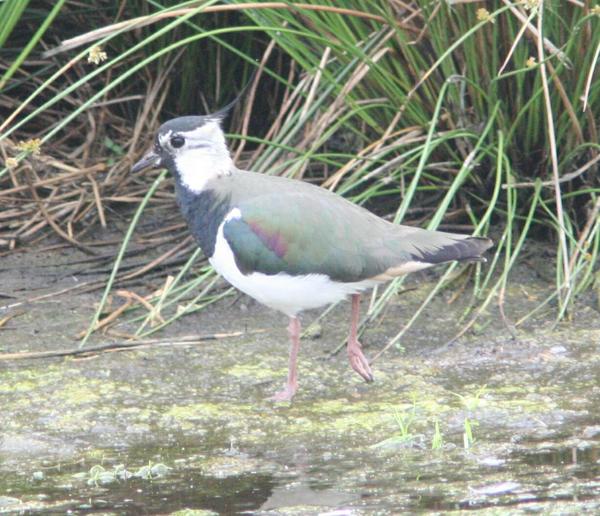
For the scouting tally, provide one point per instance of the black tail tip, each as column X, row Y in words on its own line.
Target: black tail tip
column 482, row 244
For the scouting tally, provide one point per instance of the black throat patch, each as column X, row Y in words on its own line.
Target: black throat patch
column 204, row 213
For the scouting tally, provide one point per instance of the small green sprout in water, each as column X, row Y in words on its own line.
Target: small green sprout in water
column 32, row 145
column 152, row 471
column 470, row 403
column 405, row 420
column 468, row 438
column 98, row 475
column 96, row 55
column 437, row 443
column 405, row 437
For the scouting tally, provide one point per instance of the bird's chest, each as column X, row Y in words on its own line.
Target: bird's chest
column 203, row 212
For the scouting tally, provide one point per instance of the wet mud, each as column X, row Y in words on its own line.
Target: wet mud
column 490, row 423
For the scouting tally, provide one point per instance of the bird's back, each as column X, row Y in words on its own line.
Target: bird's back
column 307, row 229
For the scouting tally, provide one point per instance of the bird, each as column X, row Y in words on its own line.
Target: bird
column 289, row 244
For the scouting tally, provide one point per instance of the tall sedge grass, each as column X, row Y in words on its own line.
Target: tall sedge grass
column 443, row 114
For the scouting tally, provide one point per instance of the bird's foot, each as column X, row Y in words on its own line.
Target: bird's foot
column 359, row 362
column 286, row 394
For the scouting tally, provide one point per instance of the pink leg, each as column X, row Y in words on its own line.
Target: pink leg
column 292, row 382
column 358, row 361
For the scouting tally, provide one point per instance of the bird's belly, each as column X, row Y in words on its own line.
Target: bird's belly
column 284, row 292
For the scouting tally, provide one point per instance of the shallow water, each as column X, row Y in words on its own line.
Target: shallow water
column 187, row 428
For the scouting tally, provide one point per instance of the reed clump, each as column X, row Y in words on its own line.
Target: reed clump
column 448, row 115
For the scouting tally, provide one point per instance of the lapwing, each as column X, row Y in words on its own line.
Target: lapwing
column 290, row 245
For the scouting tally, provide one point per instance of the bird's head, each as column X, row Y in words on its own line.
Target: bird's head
column 193, row 148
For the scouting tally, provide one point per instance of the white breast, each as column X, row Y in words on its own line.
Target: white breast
column 283, row 292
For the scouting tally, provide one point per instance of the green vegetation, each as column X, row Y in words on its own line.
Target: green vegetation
column 470, row 403
column 404, row 421
column 441, row 114
column 418, row 417
column 99, row 475
column 437, row 442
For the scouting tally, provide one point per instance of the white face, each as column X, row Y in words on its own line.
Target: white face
column 199, row 155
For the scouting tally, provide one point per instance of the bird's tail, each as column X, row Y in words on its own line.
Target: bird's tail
column 449, row 247
column 420, row 249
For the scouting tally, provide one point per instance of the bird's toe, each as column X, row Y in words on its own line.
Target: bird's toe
column 286, row 394
column 360, row 364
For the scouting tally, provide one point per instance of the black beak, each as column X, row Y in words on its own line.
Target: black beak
column 150, row 159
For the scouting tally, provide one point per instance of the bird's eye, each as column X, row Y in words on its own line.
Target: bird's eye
column 177, row 141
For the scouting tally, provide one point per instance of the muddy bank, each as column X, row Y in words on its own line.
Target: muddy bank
column 489, row 422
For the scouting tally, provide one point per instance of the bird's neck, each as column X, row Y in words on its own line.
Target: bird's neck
column 196, row 168
column 204, row 213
